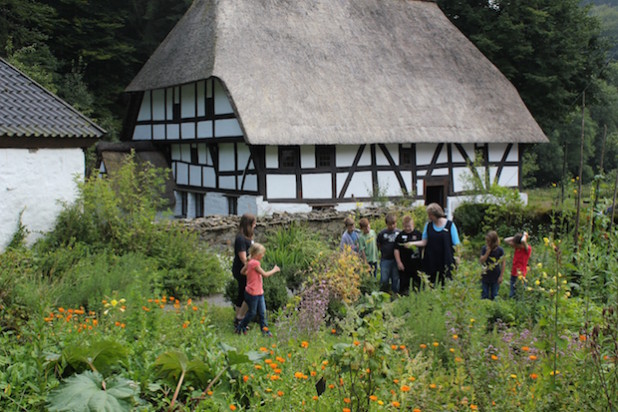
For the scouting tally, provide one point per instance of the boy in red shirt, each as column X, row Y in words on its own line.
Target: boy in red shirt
column 520, row 258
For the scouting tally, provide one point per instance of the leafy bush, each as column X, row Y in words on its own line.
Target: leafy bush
column 293, row 248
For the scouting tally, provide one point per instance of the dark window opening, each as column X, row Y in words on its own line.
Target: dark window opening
column 324, row 156
column 194, row 157
column 176, row 111
column 183, row 204
column 232, row 205
column 289, row 157
column 406, row 158
column 199, row 205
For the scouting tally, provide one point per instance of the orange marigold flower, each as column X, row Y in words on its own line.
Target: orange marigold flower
column 315, row 397
column 356, row 343
column 416, row 410
column 273, row 365
column 313, row 373
column 373, row 398
column 263, row 349
column 396, row 404
column 304, row 344
column 494, row 357
column 402, row 347
column 232, row 407
column 280, row 393
column 268, row 360
column 209, row 393
column 274, row 377
column 331, row 386
column 436, row 344
column 346, row 410
column 347, row 400
column 455, row 337
column 525, row 348
column 458, row 359
column 145, row 309
column 340, row 381
column 423, row 346
column 122, row 325
column 411, row 378
column 433, row 385
column 405, row 388
column 582, row 338
column 533, row 376
column 298, row 375
column 395, row 381
column 117, row 323
column 532, row 357
column 394, row 347
column 278, row 371
column 189, row 302
column 333, row 331
column 280, row 359
column 265, row 329
column 245, row 378
column 258, row 367
column 474, row 407
column 194, row 308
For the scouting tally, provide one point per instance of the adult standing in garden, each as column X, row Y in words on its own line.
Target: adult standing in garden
column 244, row 240
column 440, row 239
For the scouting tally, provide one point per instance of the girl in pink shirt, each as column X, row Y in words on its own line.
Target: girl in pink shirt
column 254, row 291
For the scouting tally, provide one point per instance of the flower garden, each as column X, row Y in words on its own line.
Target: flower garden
column 94, row 319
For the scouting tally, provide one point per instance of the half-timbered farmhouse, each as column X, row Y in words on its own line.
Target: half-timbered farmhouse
column 42, row 143
column 279, row 105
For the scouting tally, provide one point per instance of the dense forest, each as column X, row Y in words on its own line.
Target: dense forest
column 554, row 52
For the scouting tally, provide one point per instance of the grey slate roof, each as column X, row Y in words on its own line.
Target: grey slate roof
column 342, row 72
column 28, row 110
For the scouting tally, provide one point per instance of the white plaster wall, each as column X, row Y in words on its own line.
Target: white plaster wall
column 158, row 104
column 388, row 184
column 281, row 186
column 424, row 153
column 265, row 208
column 215, row 204
column 360, row 185
column 317, row 186
column 247, row 204
column 345, row 156
column 307, row 157
column 37, row 182
column 144, row 110
column 187, row 107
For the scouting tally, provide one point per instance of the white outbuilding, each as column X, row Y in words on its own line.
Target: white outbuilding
column 42, row 154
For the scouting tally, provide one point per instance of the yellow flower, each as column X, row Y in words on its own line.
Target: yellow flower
column 455, row 337
column 513, row 376
column 436, row 344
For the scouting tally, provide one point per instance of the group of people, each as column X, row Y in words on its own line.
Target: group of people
column 401, row 255
column 404, row 253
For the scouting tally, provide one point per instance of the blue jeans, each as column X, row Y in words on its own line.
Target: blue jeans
column 514, row 280
column 490, row 290
column 257, row 305
column 389, row 271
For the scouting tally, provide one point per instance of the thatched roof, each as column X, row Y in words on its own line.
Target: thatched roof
column 342, row 71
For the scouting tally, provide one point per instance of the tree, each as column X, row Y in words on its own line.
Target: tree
column 550, row 50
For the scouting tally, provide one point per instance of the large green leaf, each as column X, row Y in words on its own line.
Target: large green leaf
column 101, row 355
column 86, row 393
column 171, row 364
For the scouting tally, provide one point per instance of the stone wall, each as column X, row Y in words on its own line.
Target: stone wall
column 220, row 231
